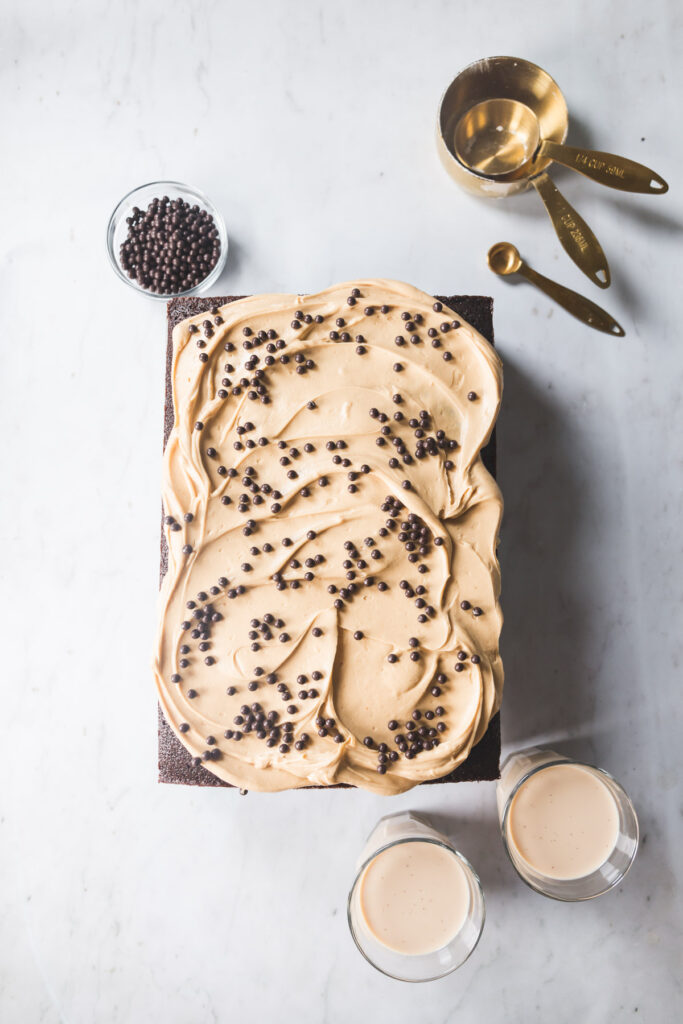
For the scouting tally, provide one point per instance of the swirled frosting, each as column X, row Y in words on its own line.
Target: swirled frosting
column 330, row 611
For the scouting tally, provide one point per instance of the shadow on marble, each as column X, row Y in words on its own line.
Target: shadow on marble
column 626, row 292
column 647, row 214
column 544, row 635
column 479, row 839
column 581, row 133
column 548, row 644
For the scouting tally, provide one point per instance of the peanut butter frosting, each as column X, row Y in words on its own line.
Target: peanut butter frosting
column 330, row 611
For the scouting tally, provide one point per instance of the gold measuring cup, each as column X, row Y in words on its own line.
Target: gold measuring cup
column 511, row 78
column 504, row 259
column 501, row 138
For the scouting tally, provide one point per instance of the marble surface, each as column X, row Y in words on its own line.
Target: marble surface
column 311, row 126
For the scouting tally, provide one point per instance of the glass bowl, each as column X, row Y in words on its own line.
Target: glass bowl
column 117, row 230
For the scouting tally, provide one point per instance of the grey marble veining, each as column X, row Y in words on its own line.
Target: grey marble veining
column 311, row 127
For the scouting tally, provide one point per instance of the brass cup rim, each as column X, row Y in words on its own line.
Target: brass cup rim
column 497, row 138
column 502, row 78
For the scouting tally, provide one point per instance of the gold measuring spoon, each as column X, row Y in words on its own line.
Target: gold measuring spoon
column 504, row 259
column 501, row 138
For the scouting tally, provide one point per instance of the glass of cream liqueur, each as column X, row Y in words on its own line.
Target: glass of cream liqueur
column 416, row 907
column 570, row 830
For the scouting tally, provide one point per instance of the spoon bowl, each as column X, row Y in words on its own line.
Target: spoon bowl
column 504, row 258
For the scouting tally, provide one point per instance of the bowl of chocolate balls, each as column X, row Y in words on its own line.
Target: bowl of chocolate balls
column 167, row 239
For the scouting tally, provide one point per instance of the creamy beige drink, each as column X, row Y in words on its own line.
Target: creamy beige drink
column 563, row 821
column 414, row 897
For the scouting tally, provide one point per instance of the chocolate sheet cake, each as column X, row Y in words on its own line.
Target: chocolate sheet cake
column 176, row 763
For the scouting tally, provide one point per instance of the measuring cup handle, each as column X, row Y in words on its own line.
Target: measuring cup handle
column 576, row 237
column 579, row 306
column 607, row 169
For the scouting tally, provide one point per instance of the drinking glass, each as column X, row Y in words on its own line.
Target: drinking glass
column 515, row 771
column 408, row 827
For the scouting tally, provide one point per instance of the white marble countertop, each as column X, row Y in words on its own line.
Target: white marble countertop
column 311, row 125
